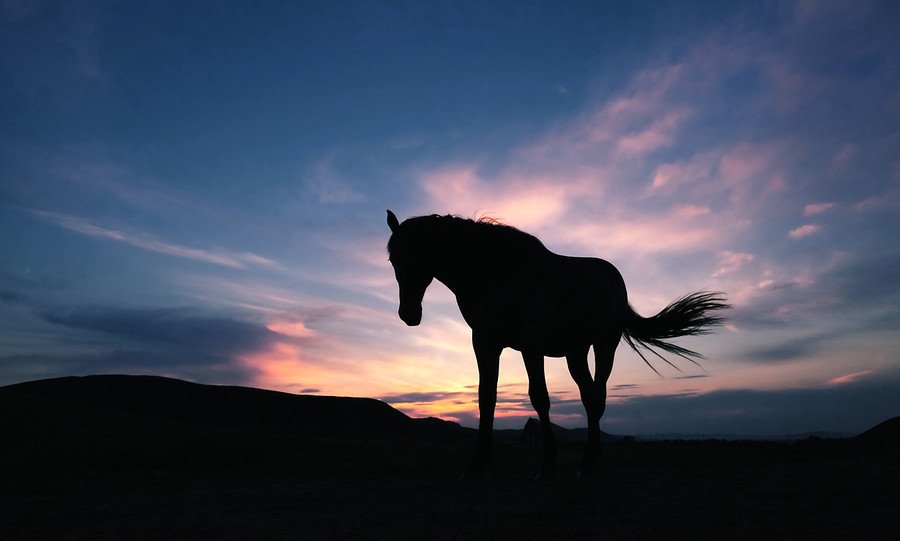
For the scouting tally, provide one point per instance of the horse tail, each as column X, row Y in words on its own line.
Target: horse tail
column 688, row 316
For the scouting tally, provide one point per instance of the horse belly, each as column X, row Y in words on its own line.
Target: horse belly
column 544, row 327
column 560, row 333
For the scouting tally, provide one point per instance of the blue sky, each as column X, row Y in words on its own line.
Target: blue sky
column 198, row 190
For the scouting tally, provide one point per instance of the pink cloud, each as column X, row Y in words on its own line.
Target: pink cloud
column 804, row 231
column 848, row 378
column 659, row 134
column 692, row 211
column 817, row 208
column 730, row 262
column 292, row 328
column 746, row 161
column 520, row 201
column 649, row 235
column 626, row 128
column 670, row 176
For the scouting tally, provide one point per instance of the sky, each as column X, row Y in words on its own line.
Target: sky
column 198, row 190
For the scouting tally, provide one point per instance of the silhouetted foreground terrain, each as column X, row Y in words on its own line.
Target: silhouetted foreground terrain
column 150, row 458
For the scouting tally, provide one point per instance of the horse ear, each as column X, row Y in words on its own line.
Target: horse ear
column 392, row 221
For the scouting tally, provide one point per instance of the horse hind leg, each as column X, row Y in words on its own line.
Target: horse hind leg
column 593, row 394
column 577, row 363
column 604, row 354
column 540, row 400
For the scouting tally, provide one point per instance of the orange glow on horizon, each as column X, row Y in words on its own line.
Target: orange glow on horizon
column 281, row 366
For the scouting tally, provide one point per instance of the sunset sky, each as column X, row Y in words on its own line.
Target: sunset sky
column 198, row 190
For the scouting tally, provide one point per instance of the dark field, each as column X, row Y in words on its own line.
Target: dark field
column 84, row 472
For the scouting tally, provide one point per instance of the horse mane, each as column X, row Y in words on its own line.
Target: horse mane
column 479, row 234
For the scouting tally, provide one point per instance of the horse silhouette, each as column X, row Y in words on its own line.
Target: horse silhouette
column 514, row 292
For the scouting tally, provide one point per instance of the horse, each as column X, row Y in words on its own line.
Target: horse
column 514, row 292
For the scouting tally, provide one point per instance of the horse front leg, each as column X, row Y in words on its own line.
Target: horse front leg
column 487, row 354
column 540, row 400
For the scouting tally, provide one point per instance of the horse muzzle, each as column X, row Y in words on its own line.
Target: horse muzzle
column 411, row 315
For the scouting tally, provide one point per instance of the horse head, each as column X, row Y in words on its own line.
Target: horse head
column 411, row 269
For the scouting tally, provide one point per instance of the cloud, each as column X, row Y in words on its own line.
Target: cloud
column 817, row 208
column 862, row 287
column 330, row 186
column 804, row 231
column 849, row 378
column 170, row 329
column 659, row 134
column 673, row 175
column 600, row 184
column 582, row 166
column 670, row 234
column 147, row 242
column 850, row 408
column 730, row 262
column 333, row 190
column 196, row 366
column 422, row 397
column 524, row 201
column 166, row 341
column 867, row 282
column 787, row 349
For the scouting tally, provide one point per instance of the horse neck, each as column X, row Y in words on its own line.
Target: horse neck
column 445, row 250
column 464, row 264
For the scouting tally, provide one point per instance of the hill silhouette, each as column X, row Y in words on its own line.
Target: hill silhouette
column 140, row 403
column 885, row 433
column 135, row 403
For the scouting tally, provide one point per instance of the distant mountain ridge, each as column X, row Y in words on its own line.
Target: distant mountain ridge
column 229, row 407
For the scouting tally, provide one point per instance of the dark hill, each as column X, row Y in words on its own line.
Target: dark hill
column 886, row 433
column 143, row 402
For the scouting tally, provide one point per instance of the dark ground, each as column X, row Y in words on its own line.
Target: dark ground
column 73, row 471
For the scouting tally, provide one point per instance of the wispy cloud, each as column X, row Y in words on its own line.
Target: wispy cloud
column 849, row 378
column 521, row 200
column 817, row 208
column 176, row 342
column 148, row 242
column 175, row 328
column 330, row 186
column 804, row 230
column 730, row 262
column 853, row 407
